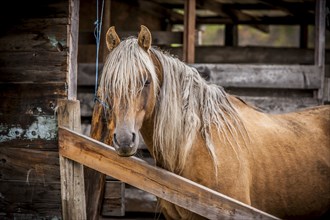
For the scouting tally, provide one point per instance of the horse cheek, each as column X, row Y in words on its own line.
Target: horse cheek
column 139, row 119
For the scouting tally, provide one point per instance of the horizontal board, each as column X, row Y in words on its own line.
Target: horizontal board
column 114, row 199
column 164, row 184
column 35, row 9
column 242, row 75
column 34, row 99
column 35, row 35
column 262, row 76
column 137, row 200
column 29, row 128
column 29, row 165
column 35, row 200
column 280, row 104
column 158, row 37
column 42, row 66
column 248, row 55
column 271, row 104
column 27, row 114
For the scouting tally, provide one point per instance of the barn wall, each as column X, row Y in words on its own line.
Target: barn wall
column 33, row 75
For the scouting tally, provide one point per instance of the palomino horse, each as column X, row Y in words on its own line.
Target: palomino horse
column 276, row 163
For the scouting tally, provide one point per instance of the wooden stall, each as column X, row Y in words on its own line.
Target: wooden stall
column 38, row 52
column 275, row 79
column 39, row 72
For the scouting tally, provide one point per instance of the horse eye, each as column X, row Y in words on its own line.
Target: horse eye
column 146, row 83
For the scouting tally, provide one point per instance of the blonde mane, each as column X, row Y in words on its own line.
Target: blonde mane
column 186, row 104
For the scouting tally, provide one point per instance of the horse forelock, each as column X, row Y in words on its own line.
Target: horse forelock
column 125, row 72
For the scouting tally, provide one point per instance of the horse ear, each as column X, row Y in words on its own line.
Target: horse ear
column 144, row 38
column 112, row 38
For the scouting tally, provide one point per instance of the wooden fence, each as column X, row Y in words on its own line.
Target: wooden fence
column 77, row 149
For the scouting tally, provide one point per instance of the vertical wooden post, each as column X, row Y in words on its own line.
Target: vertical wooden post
column 231, row 35
column 72, row 43
column 303, row 36
column 72, row 173
column 189, row 31
column 105, row 26
column 320, row 43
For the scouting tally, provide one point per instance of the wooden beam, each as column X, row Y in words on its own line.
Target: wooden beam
column 72, row 43
column 247, row 76
column 162, row 183
column 267, row 20
column 250, row 54
column 261, row 76
column 224, row 11
column 320, row 15
column 106, row 23
column 158, row 37
column 189, row 31
column 303, row 36
column 231, row 35
column 72, row 173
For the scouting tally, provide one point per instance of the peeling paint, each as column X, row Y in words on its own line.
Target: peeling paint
column 44, row 127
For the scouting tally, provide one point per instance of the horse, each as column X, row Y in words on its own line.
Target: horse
column 278, row 163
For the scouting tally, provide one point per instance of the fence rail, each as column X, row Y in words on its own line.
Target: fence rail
column 162, row 183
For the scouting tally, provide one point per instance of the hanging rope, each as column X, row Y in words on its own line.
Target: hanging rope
column 97, row 35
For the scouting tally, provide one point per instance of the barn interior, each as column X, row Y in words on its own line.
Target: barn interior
column 273, row 54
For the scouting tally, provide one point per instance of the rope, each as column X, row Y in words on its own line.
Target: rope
column 97, row 35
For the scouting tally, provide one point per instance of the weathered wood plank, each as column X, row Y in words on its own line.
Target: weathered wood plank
column 248, row 55
column 29, row 165
column 262, row 76
column 114, row 199
column 137, row 200
column 48, row 34
column 27, row 115
column 36, row 200
column 159, row 182
column 158, row 37
column 72, row 42
column 243, row 75
column 271, row 104
column 320, row 19
column 72, row 173
column 42, row 66
column 280, row 104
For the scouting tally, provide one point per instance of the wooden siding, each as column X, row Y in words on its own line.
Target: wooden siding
column 33, row 75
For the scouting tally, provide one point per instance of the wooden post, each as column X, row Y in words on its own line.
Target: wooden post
column 105, row 26
column 320, row 44
column 189, row 31
column 231, row 35
column 72, row 39
column 72, row 173
column 303, row 36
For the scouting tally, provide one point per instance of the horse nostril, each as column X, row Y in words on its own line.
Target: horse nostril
column 115, row 139
column 133, row 137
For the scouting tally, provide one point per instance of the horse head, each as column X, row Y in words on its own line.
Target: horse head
column 131, row 84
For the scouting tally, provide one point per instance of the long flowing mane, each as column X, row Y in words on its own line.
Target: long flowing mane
column 186, row 104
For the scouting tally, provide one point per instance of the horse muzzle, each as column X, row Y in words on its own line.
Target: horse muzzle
column 126, row 143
